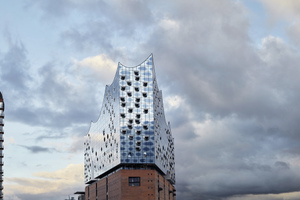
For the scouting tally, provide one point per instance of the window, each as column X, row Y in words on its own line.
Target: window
column 136, row 89
column 137, row 105
column 138, row 148
column 123, row 88
column 144, row 94
column 137, row 100
column 145, row 84
column 145, row 111
column 122, row 77
column 137, row 78
column 134, row 181
column 136, row 73
column 96, row 190
column 129, row 83
column 129, row 94
column 123, row 104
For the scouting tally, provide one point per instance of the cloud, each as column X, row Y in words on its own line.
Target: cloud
column 290, row 196
column 72, row 103
column 38, row 149
column 14, row 63
column 226, row 161
column 101, row 65
column 110, row 31
column 287, row 11
column 11, row 140
column 76, row 145
column 46, row 185
column 72, row 173
column 283, row 9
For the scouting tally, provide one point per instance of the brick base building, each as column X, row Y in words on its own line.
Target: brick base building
column 131, row 184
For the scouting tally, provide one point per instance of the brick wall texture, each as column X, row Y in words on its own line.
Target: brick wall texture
column 153, row 186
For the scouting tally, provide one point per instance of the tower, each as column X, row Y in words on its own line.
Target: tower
column 129, row 151
column 1, row 143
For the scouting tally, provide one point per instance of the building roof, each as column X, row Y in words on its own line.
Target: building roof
column 79, row 192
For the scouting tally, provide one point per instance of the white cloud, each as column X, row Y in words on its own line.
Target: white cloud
column 169, row 24
column 46, row 182
column 173, row 102
column 101, row 65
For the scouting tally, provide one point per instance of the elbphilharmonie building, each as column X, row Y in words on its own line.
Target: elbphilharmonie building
column 131, row 140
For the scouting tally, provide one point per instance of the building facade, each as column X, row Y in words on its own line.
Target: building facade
column 1, row 143
column 129, row 150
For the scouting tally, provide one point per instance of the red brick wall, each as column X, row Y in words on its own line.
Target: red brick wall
column 146, row 190
column 119, row 189
column 101, row 192
column 114, row 186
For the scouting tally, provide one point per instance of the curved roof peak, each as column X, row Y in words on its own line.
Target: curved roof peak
column 150, row 57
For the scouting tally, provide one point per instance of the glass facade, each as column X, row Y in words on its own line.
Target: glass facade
column 131, row 128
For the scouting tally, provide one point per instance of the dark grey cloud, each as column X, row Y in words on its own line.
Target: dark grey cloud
column 43, row 137
column 38, row 149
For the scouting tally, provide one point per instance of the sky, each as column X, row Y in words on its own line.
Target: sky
column 228, row 69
